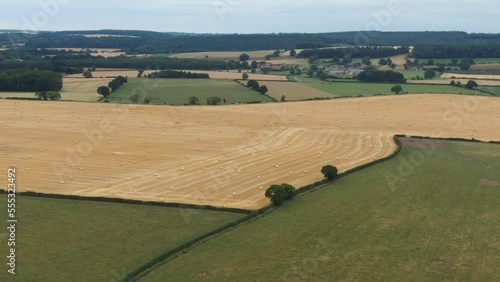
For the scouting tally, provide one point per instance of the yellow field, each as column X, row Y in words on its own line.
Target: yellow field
column 223, row 155
column 293, row 91
column 470, row 76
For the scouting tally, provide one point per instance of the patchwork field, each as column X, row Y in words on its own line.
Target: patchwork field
column 438, row 222
column 370, row 89
column 178, row 91
column 68, row 240
column 105, row 52
column 448, row 81
column 254, row 55
column 471, row 76
column 293, row 91
column 223, row 155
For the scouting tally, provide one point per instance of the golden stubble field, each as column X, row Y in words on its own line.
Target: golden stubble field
column 221, row 156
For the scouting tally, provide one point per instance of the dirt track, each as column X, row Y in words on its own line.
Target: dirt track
column 203, row 155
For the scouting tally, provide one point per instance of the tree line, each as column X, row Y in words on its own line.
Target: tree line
column 30, row 80
column 177, row 74
column 353, row 52
column 74, row 64
column 157, row 42
column 449, row 51
column 371, row 74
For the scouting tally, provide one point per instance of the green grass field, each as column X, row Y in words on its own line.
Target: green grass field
column 409, row 74
column 437, row 223
column 178, row 91
column 495, row 90
column 370, row 89
column 69, row 240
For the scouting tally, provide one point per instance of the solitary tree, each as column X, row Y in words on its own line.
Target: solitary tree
column 283, row 98
column 147, row 100
column 135, row 98
column 140, row 72
column 429, row 74
column 244, row 57
column 278, row 194
column 263, row 90
column 87, row 74
column 194, row 101
column 252, row 83
column 104, row 91
column 453, row 83
column 214, row 101
column 48, row 95
column 293, row 53
column 330, row 172
column 397, row 89
column 245, row 76
column 471, row 84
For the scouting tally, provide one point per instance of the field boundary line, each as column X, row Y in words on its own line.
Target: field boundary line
column 130, row 202
column 172, row 254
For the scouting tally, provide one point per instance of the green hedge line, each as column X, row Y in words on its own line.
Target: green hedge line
column 134, row 202
column 149, row 266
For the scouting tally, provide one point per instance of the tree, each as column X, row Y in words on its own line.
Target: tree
column 430, row 74
column 48, row 95
column 244, row 57
column 254, row 64
column 277, row 53
column 214, row 101
column 194, row 101
column 87, row 74
column 252, row 83
column 310, row 73
column 453, row 83
column 245, row 76
column 465, row 64
column 283, row 98
column 322, row 75
column 367, row 61
column 441, row 68
column 330, row 172
column 147, row 100
column 263, row 90
column 278, row 194
column 382, row 62
column 292, row 71
column 293, row 53
column 140, row 72
column 104, row 91
column 298, row 72
column 135, row 98
column 471, row 84
column 347, row 59
column 265, row 71
column 253, row 70
column 397, row 89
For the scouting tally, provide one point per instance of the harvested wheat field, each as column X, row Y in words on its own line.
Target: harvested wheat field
column 221, row 156
column 470, row 76
column 225, row 55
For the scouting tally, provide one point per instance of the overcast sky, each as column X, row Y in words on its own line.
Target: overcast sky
column 253, row 16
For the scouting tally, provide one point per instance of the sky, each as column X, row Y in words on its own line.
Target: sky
column 252, row 16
